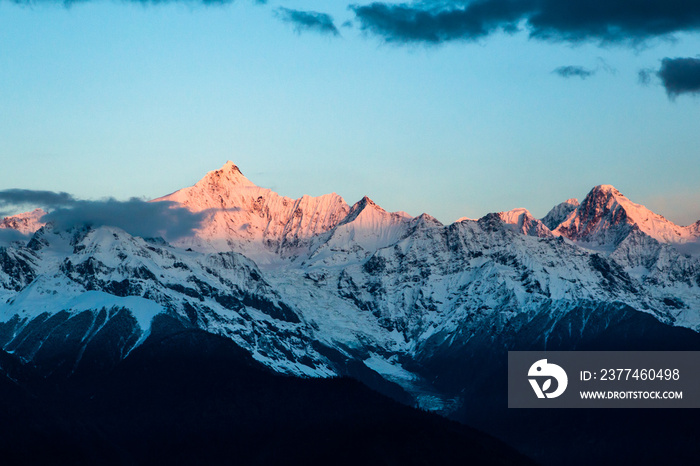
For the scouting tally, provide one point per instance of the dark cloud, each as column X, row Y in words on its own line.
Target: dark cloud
column 308, row 21
column 574, row 71
column 680, row 76
column 136, row 216
column 24, row 197
column 435, row 24
column 8, row 235
column 628, row 21
column 605, row 21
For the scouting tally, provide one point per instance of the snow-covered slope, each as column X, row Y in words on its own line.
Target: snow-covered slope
column 88, row 276
column 365, row 229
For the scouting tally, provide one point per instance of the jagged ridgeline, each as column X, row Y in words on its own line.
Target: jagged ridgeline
column 313, row 287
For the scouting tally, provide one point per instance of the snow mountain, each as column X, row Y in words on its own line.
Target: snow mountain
column 559, row 213
column 374, row 285
column 606, row 217
column 255, row 221
column 25, row 223
column 314, row 287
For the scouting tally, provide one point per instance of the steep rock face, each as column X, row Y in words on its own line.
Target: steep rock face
column 559, row 213
column 601, row 219
column 17, row 269
column 606, row 217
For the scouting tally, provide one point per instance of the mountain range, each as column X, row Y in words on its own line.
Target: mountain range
column 418, row 311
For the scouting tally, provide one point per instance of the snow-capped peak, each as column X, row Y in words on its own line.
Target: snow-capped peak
column 606, row 216
column 514, row 216
column 366, row 228
column 606, row 188
column 559, row 213
column 364, row 204
column 231, row 166
column 367, row 215
column 266, row 226
column 367, row 202
column 227, row 176
column 252, row 220
column 26, row 223
column 522, row 221
column 428, row 220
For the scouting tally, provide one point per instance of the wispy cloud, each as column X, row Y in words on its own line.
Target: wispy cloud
column 308, row 21
column 574, row 71
column 136, row 216
column 604, row 21
column 644, row 76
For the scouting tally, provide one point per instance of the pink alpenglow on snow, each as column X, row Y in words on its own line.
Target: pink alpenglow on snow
column 264, row 225
column 606, row 210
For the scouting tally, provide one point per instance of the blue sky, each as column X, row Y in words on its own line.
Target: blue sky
column 113, row 98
